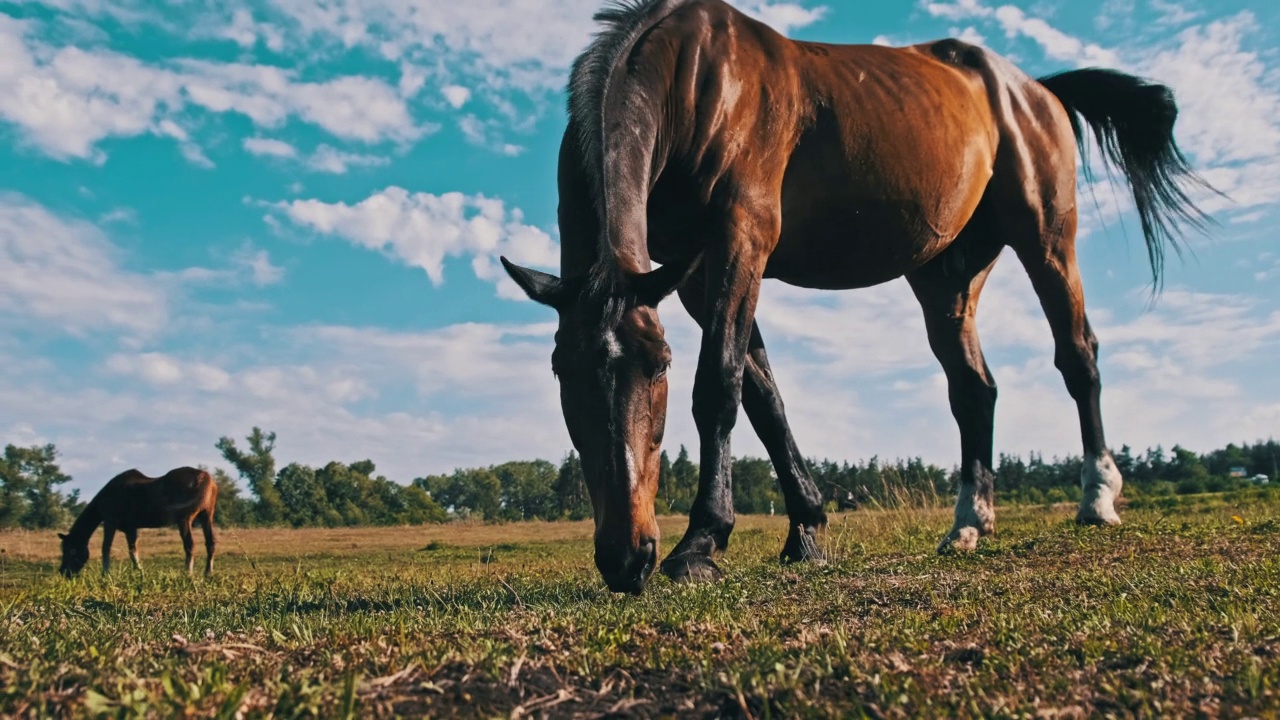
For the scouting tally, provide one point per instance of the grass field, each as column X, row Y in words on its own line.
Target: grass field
column 1175, row 613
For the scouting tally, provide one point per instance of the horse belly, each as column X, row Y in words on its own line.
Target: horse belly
column 863, row 207
column 846, row 246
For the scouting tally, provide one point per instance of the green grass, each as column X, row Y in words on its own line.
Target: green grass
column 1175, row 613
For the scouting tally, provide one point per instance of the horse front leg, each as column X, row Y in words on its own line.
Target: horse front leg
column 733, row 274
column 108, row 536
column 763, row 404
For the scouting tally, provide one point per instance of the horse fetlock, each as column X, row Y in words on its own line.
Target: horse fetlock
column 1101, row 481
column 802, row 545
column 962, row 539
column 691, row 568
column 975, row 511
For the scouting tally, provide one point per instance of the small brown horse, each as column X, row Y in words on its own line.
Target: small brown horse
column 697, row 132
column 131, row 501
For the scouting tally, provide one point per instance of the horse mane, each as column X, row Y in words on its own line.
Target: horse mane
column 623, row 21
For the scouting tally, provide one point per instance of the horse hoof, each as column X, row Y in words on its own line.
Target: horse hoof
column 802, row 546
column 1094, row 519
column 691, row 569
column 963, row 539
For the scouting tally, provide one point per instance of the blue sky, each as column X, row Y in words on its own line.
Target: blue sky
column 287, row 213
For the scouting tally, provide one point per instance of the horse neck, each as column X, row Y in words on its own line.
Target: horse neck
column 87, row 523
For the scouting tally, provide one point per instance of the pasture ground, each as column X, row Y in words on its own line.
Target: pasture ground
column 1175, row 613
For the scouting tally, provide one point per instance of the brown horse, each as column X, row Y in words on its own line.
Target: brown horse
column 697, row 132
column 131, row 501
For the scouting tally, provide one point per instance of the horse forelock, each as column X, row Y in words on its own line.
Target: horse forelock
column 601, row 304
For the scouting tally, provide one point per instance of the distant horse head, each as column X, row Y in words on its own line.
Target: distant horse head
column 611, row 360
column 74, row 555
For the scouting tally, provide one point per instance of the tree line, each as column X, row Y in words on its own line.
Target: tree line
column 345, row 495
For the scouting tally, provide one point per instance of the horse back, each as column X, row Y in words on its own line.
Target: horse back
column 133, row 500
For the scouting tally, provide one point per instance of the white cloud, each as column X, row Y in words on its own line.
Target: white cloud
column 1172, row 13
column 350, row 107
column 65, row 273
column 325, row 158
column 257, row 266
column 246, row 32
column 1056, row 44
column 67, row 100
column 330, row 160
column 456, row 95
column 126, row 216
column 784, row 17
column 970, row 35
column 331, row 392
column 421, row 230
column 960, row 10
column 1230, row 108
column 487, row 134
column 269, row 147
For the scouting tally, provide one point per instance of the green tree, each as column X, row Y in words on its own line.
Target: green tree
column 466, row 492
column 29, row 480
column 754, row 489
column 572, row 499
column 420, row 508
column 684, row 483
column 528, row 490
column 258, row 467
column 665, row 479
column 302, row 496
column 233, row 507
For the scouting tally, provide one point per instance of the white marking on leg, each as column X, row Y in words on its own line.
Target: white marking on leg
column 1101, row 481
column 975, row 517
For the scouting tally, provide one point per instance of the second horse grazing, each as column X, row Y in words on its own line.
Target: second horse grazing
column 697, row 132
column 131, row 501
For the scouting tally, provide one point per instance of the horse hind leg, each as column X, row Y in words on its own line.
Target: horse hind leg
column 210, row 540
column 1051, row 265
column 947, row 289
column 188, row 542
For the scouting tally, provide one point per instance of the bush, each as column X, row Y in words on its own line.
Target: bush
column 1191, row 486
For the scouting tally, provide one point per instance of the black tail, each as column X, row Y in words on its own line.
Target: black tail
column 1132, row 120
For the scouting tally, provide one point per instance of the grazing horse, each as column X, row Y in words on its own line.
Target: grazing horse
column 131, row 501
column 701, row 139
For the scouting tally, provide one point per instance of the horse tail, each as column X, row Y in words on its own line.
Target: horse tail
column 1132, row 120
column 618, row 173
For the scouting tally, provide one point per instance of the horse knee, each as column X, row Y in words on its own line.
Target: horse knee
column 715, row 403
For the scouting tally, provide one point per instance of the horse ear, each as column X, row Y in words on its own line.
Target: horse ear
column 650, row 288
column 539, row 286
